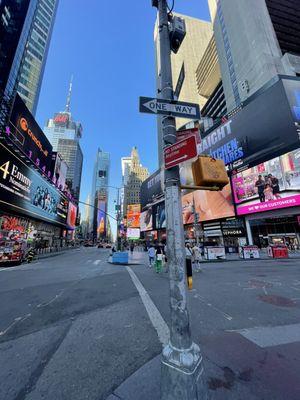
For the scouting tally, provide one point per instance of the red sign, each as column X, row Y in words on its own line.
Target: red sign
column 180, row 152
column 61, row 119
column 187, row 133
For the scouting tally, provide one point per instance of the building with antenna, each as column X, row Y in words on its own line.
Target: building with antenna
column 64, row 134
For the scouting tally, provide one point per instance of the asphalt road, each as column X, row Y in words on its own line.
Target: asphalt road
column 75, row 327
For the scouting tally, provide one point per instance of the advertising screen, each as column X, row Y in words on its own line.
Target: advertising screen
column 29, row 137
column 72, row 213
column 61, row 119
column 59, row 169
column 133, row 215
column 159, row 216
column 101, row 217
column 266, row 127
column 151, row 189
column 146, row 220
column 133, row 233
column 268, row 186
column 23, row 189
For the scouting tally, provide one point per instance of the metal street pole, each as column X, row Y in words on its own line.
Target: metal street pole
column 182, row 371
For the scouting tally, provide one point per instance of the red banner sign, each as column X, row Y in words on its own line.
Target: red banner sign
column 180, row 152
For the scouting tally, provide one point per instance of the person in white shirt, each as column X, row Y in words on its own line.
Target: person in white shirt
column 196, row 257
column 151, row 255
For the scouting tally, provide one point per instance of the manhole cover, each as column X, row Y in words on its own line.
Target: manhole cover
column 277, row 300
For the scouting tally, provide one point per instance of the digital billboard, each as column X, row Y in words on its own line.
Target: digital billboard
column 151, row 189
column 72, row 213
column 61, row 119
column 29, row 137
column 266, row 127
column 133, row 215
column 159, row 216
column 101, row 217
column 146, row 220
column 133, row 233
column 24, row 190
column 268, row 186
column 59, row 169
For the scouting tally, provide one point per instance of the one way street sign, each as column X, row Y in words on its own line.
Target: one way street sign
column 166, row 107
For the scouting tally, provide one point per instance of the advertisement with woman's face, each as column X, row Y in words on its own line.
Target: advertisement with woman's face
column 271, row 185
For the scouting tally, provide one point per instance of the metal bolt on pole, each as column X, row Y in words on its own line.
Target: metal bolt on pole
column 181, row 369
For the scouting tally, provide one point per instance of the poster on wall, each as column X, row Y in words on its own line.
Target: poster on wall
column 59, row 169
column 72, row 213
column 266, row 127
column 133, row 215
column 24, row 190
column 271, row 185
column 101, row 218
column 29, row 137
column 146, row 220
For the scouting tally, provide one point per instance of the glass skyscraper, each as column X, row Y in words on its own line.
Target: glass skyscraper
column 33, row 62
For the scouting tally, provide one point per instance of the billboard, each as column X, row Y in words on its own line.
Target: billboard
column 151, row 189
column 133, row 215
column 101, row 217
column 271, row 185
column 159, row 216
column 266, row 127
column 133, row 233
column 208, row 205
column 29, row 137
column 59, row 169
column 146, row 220
column 72, row 213
column 22, row 189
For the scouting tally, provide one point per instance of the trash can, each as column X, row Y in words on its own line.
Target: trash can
column 278, row 251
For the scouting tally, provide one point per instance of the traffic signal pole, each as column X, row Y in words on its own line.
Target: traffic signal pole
column 181, row 369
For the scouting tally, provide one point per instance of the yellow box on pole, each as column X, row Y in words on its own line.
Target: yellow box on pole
column 208, row 171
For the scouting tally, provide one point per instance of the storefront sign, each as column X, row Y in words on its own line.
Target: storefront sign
column 29, row 137
column 277, row 187
column 263, row 129
column 24, row 190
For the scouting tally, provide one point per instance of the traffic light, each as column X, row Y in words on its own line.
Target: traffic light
column 208, row 171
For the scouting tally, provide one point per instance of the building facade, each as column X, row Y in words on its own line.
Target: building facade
column 136, row 176
column 34, row 58
column 64, row 135
column 100, row 191
column 256, row 41
column 198, row 35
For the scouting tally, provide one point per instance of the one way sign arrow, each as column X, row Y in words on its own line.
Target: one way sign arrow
column 165, row 107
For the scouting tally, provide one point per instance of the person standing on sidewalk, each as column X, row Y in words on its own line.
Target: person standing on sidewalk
column 188, row 256
column 151, row 255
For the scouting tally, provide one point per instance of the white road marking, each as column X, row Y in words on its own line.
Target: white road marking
column 224, row 314
column 272, row 335
column 96, row 262
column 16, row 320
column 265, row 290
column 89, row 261
column 157, row 320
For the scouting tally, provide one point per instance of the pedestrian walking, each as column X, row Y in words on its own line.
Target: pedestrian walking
column 188, row 255
column 158, row 258
column 197, row 257
column 151, row 255
column 131, row 248
column 165, row 251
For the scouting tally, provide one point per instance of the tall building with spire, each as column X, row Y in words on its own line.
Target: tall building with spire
column 64, row 134
column 135, row 175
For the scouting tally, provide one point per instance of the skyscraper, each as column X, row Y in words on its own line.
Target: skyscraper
column 34, row 58
column 136, row 175
column 64, row 135
column 256, row 41
column 100, row 193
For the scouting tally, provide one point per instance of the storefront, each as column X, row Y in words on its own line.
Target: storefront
column 234, row 234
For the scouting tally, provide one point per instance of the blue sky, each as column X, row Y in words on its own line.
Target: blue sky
column 108, row 47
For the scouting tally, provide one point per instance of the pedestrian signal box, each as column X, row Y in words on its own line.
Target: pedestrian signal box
column 208, row 171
